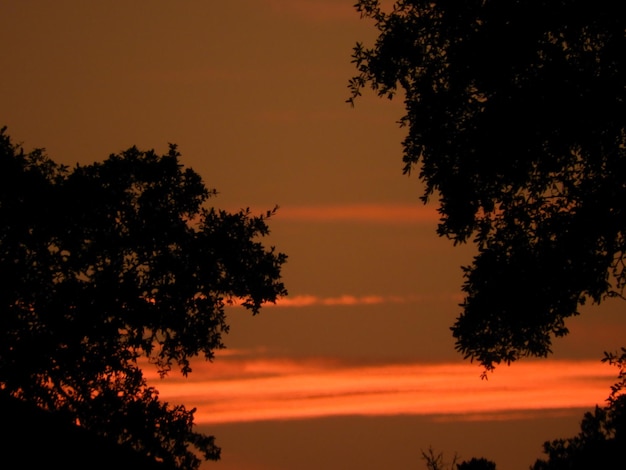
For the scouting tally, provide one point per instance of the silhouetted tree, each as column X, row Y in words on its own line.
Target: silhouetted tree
column 33, row 438
column 600, row 443
column 516, row 116
column 435, row 461
column 105, row 263
column 477, row 464
column 602, row 438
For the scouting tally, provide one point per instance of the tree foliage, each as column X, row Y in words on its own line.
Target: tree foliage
column 104, row 264
column 477, row 464
column 435, row 461
column 602, row 438
column 516, row 120
column 600, row 443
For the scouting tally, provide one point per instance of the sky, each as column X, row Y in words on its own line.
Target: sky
column 356, row 368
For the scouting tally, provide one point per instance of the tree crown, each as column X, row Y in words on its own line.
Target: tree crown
column 105, row 263
column 516, row 119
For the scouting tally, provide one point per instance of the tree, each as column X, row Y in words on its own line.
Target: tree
column 435, row 461
column 516, row 117
column 600, row 443
column 477, row 464
column 106, row 263
column 602, row 437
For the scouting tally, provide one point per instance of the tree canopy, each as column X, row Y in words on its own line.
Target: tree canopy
column 600, row 443
column 602, row 437
column 104, row 264
column 516, row 121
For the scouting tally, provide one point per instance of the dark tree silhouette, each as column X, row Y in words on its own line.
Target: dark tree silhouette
column 33, row 438
column 477, row 464
column 435, row 461
column 105, row 263
column 516, row 116
column 602, row 438
column 600, row 443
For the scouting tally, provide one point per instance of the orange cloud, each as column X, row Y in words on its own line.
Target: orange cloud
column 307, row 300
column 279, row 389
column 390, row 213
column 346, row 300
column 377, row 213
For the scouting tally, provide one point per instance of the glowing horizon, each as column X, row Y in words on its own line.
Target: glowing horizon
column 265, row 389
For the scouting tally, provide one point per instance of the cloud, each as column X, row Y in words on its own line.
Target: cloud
column 375, row 213
column 378, row 213
column 260, row 389
column 345, row 300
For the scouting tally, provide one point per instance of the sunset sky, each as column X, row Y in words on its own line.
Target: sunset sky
column 356, row 368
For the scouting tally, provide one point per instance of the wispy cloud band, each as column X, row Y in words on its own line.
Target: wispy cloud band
column 371, row 213
column 278, row 389
column 347, row 300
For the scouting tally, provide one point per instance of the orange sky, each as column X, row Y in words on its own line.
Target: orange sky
column 359, row 357
column 245, row 386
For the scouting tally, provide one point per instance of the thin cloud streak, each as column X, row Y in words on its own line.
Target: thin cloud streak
column 344, row 300
column 280, row 389
column 376, row 213
column 347, row 300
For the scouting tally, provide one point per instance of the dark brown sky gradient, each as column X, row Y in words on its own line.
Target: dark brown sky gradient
column 253, row 92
